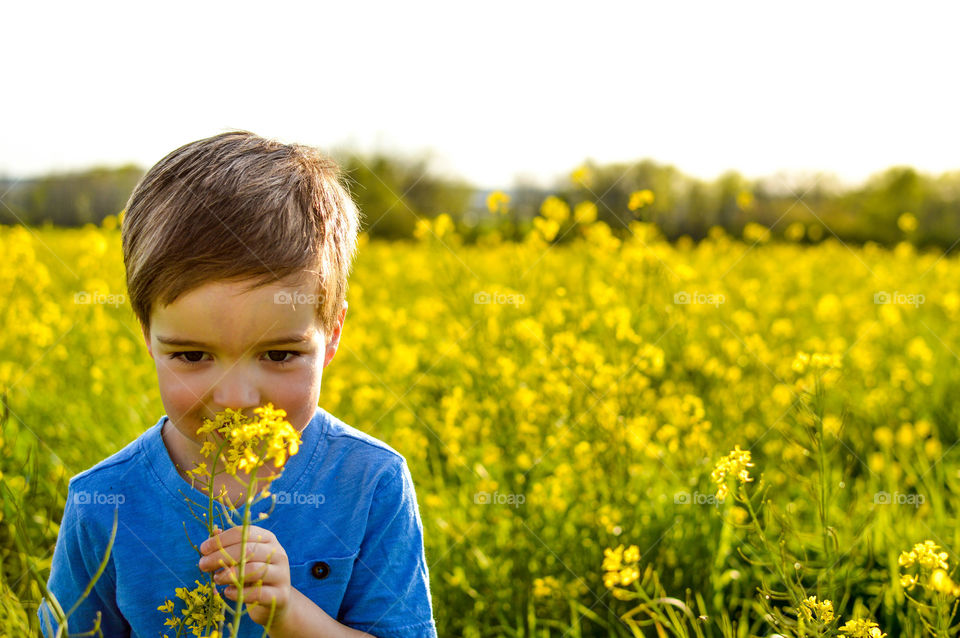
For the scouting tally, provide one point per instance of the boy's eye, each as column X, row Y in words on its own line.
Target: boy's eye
column 276, row 356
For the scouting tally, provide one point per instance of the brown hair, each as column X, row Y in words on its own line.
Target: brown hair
column 238, row 206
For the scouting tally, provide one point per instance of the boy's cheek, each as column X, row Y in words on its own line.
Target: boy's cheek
column 176, row 387
column 180, row 398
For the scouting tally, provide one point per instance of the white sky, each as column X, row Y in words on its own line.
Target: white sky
column 495, row 89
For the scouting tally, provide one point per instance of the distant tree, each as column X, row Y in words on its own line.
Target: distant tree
column 393, row 193
column 71, row 199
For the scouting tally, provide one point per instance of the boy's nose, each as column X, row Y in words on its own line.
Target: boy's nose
column 236, row 393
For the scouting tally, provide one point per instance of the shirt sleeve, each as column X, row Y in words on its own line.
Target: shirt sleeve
column 388, row 595
column 76, row 558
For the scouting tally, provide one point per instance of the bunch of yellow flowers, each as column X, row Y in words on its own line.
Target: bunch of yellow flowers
column 816, row 361
column 202, row 609
column 497, row 202
column 822, row 610
column 736, row 463
column 861, row 628
column 926, row 556
column 544, row 587
column 620, row 566
column 251, row 443
column 639, row 199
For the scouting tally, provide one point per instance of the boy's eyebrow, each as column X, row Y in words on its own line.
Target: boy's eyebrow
column 176, row 341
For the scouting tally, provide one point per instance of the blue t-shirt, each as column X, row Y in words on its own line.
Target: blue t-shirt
column 346, row 515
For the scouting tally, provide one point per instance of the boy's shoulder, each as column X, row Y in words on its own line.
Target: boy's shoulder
column 114, row 468
column 360, row 443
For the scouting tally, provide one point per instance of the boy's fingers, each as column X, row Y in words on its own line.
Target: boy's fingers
column 256, row 596
column 225, row 538
column 213, row 543
column 220, row 539
column 266, row 573
column 264, row 595
column 256, row 552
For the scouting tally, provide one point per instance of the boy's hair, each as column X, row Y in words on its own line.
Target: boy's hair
column 238, row 206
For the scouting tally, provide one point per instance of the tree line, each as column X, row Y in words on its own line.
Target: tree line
column 394, row 193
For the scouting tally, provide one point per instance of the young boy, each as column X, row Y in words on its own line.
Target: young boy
column 237, row 251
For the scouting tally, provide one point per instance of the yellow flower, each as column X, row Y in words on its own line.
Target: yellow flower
column 613, row 558
column 907, row 581
column 555, row 209
column 907, row 222
column 585, row 212
column 497, row 202
column 795, row 231
column 800, row 362
column 722, row 491
column 860, row 628
column 251, row 443
column 816, row 361
column 756, row 233
column 628, row 575
column 200, row 470
column 736, row 463
column 620, row 566
column 821, row 611
column 582, row 176
column 548, row 228
column 441, row 226
column 940, row 581
column 423, row 229
column 203, row 609
column 544, row 587
column 639, row 199
column 610, row 579
column 926, row 555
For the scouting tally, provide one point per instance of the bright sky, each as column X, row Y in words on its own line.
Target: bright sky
column 493, row 89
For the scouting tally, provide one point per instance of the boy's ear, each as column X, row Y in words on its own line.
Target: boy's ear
column 334, row 340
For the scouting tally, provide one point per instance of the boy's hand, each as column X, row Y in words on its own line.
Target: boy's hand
column 266, row 562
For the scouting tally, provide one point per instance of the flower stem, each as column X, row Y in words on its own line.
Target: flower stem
column 238, row 610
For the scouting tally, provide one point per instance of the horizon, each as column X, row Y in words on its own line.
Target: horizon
column 775, row 180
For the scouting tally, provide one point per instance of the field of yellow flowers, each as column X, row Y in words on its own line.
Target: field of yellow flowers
column 609, row 437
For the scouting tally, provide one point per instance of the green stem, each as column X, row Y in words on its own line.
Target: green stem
column 238, row 610
column 824, row 522
column 775, row 559
column 210, row 523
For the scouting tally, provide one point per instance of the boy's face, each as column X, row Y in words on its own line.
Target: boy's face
column 218, row 347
